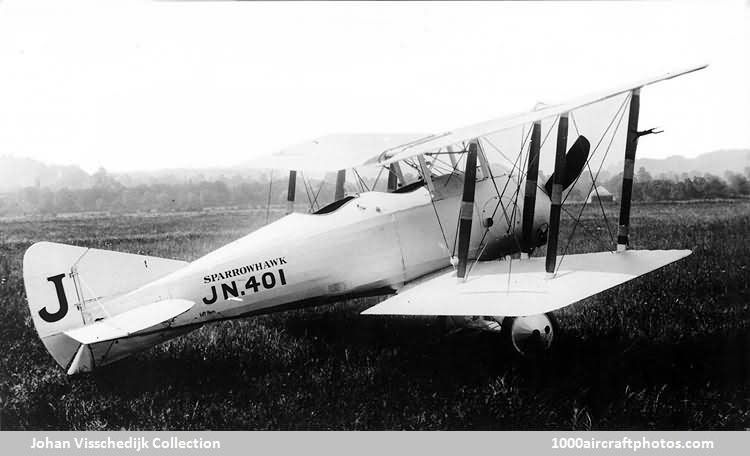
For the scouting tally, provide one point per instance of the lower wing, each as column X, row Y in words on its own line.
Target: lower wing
column 520, row 288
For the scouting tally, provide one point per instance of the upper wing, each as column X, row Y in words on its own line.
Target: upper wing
column 335, row 152
column 488, row 291
column 470, row 132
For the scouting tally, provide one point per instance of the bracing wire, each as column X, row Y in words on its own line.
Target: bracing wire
column 583, row 227
column 601, row 139
column 377, row 178
column 270, row 187
column 455, row 170
column 320, row 187
column 583, row 206
column 514, row 214
column 618, row 114
column 516, row 164
column 307, row 190
column 521, row 176
column 362, row 184
column 483, row 245
column 440, row 224
column 601, row 205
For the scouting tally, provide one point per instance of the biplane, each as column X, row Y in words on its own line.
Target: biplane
column 455, row 244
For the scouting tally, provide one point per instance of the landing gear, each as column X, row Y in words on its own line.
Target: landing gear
column 531, row 336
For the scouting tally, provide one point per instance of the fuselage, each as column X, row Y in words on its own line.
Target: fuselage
column 373, row 243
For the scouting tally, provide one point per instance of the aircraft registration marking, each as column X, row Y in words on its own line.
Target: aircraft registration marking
column 233, row 289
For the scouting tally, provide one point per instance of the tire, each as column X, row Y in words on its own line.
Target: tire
column 527, row 344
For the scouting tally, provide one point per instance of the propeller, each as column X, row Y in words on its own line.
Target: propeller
column 575, row 160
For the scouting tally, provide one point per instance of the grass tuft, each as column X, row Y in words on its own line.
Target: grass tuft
column 670, row 350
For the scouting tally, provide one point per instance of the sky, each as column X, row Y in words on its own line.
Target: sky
column 149, row 85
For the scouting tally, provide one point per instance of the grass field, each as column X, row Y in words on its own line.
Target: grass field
column 667, row 351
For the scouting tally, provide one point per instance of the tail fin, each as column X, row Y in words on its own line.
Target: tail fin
column 64, row 284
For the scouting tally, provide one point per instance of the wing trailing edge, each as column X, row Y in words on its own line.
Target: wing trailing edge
column 498, row 288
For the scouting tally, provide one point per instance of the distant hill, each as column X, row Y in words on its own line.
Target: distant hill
column 717, row 163
column 16, row 173
column 171, row 176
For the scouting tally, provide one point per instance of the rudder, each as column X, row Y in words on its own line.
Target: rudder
column 64, row 284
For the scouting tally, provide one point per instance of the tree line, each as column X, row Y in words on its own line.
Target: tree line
column 646, row 188
column 109, row 195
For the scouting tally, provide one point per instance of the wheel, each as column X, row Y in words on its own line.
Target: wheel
column 532, row 335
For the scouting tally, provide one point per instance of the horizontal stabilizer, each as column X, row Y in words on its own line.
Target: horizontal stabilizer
column 488, row 290
column 132, row 321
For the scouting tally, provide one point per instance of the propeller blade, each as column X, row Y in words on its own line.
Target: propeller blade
column 467, row 209
column 575, row 160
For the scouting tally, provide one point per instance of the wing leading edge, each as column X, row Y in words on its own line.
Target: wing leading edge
column 471, row 132
column 488, row 290
column 345, row 151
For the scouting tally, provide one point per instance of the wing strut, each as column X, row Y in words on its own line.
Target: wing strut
column 426, row 175
column 291, row 191
column 452, row 156
column 623, row 231
column 340, row 180
column 392, row 177
column 484, row 164
column 529, row 196
column 466, row 213
column 556, row 196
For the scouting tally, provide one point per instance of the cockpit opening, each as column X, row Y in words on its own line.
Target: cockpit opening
column 327, row 209
column 408, row 188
